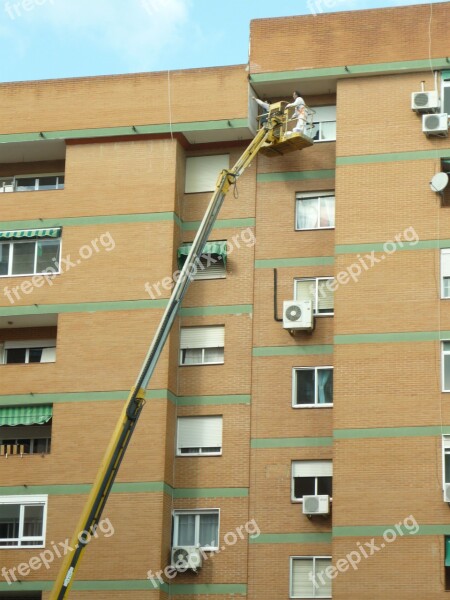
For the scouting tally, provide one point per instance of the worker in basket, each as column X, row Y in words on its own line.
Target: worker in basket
column 299, row 112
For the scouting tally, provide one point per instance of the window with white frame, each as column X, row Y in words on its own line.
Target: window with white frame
column 196, row 528
column 308, row 577
column 199, row 436
column 445, row 273
column 25, row 429
column 26, row 352
column 312, row 387
column 446, row 464
column 22, row 521
column 29, row 252
column 202, row 172
column 311, row 478
column 445, row 92
column 318, row 289
column 314, row 211
column 446, row 366
column 202, row 345
column 324, row 121
column 32, row 183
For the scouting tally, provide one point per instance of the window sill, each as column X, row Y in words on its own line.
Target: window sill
column 315, row 228
column 27, row 547
column 202, row 364
column 42, row 274
column 207, row 454
column 328, row 405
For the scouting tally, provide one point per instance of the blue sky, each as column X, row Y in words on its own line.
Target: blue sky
column 46, row 39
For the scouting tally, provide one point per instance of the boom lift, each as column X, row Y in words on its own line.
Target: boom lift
column 273, row 138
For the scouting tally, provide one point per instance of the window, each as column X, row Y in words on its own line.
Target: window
column 308, row 577
column 199, row 435
column 445, row 168
column 314, row 211
column 25, row 352
column 25, row 429
column 324, row 121
column 202, row 172
column 196, row 528
column 310, row 478
column 22, row 521
column 202, row 345
column 446, row 465
column 31, row 183
column 446, row 366
column 445, row 273
column 29, row 252
column 445, row 92
column 319, row 290
column 312, row 387
column 212, row 262
column 447, row 561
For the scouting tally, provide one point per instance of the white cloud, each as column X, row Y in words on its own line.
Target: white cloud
column 136, row 31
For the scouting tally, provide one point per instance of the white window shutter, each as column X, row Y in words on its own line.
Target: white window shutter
column 48, row 355
column 325, row 295
column 30, row 344
column 199, row 432
column 445, row 262
column 312, row 468
column 305, row 289
column 202, row 172
column 202, row 337
column 302, row 583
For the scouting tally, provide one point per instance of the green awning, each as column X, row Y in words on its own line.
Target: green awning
column 25, row 415
column 447, row 550
column 216, row 248
column 54, row 232
column 445, row 75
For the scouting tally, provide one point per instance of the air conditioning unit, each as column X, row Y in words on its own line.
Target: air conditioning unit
column 435, row 124
column 298, row 315
column 425, row 102
column 186, row 558
column 447, row 492
column 316, row 505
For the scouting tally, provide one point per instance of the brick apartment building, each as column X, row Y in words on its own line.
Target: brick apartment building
column 109, row 179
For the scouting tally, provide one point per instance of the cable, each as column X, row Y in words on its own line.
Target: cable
column 170, row 104
column 430, row 37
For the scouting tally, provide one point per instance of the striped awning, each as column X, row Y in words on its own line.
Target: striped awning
column 25, row 415
column 447, row 551
column 211, row 248
column 445, row 75
column 54, row 232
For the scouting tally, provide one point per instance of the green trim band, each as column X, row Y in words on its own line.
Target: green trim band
column 164, row 394
column 295, row 176
column 189, row 589
column 379, row 530
column 221, row 224
column 367, row 69
column 361, row 159
column 197, row 311
column 390, row 432
column 130, row 585
column 401, row 336
column 132, row 131
column 292, row 538
column 312, row 442
column 92, row 220
column 138, row 487
column 379, row 247
column 310, row 261
column 292, row 350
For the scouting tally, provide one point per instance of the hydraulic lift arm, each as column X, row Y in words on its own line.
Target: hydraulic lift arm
column 270, row 136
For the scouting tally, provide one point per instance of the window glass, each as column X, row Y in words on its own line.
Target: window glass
column 305, row 386
column 304, row 486
column 208, row 530
column 23, row 258
column 25, row 184
column 9, row 522
column 325, row 386
column 324, row 485
column 47, row 255
column 186, row 530
column 35, row 355
column 16, row 356
column 47, row 183
column 4, row 258
column 33, row 522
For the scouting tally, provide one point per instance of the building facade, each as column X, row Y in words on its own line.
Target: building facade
column 103, row 184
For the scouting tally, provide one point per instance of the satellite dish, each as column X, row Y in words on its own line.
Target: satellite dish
column 439, row 182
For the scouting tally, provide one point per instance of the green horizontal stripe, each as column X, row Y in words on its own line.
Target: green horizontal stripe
column 93, row 220
column 203, row 589
column 221, row 224
column 309, row 261
column 364, row 69
column 390, row 432
column 379, row 530
column 401, row 336
column 212, row 400
column 295, row 176
column 312, row 442
column 130, row 585
column 210, row 493
column 291, row 538
column 82, row 307
column 379, row 246
column 198, row 311
column 292, row 350
column 392, row 157
column 223, row 124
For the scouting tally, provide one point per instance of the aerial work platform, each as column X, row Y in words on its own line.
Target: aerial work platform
column 284, row 139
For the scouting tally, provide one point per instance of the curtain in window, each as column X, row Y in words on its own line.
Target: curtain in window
column 32, row 525
column 307, row 213
column 327, row 204
column 186, row 530
column 305, row 289
column 325, row 296
column 209, row 530
column 325, row 386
